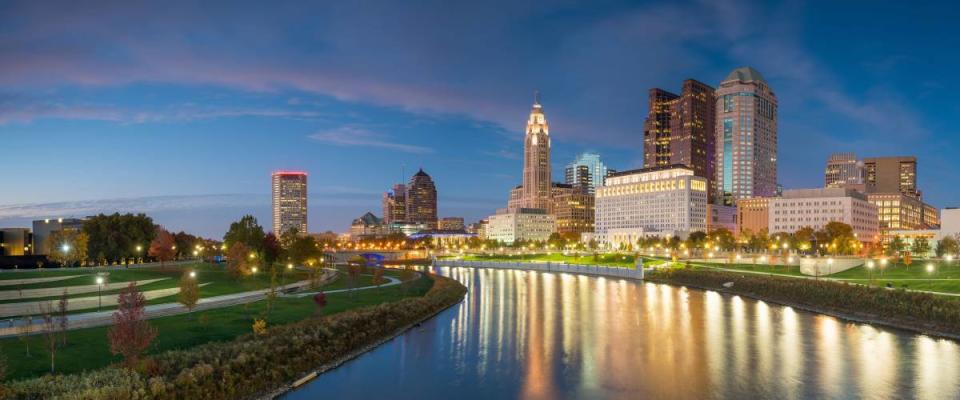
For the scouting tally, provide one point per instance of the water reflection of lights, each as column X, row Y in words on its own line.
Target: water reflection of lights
column 542, row 335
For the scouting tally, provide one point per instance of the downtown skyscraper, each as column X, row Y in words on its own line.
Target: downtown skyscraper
column 746, row 137
column 679, row 130
column 536, row 187
column 421, row 200
column 289, row 202
column 587, row 171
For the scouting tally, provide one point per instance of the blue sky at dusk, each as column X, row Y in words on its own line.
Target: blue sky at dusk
column 181, row 110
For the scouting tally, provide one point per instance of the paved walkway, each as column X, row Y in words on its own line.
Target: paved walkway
column 57, row 291
column 78, row 303
column 11, row 282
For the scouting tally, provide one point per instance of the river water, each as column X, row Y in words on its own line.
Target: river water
column 535, row 335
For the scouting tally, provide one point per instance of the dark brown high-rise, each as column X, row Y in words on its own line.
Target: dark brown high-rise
column 680, row 130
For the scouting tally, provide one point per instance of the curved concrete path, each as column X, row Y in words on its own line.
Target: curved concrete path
column 79, row 303
column 11, row 282
column 57, row 291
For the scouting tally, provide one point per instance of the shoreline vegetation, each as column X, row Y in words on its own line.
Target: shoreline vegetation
column 251, row 366
column 900, row 309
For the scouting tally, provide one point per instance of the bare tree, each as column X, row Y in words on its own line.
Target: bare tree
column 62, row 306
column 24, row 332
column 50, row 336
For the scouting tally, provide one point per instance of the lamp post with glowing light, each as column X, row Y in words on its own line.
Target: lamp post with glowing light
column 870, row 265
column 99, row 292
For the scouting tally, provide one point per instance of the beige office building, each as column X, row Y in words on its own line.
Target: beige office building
column 753, row 215
column 815, row 208
column 663, row 201
column 508, row 226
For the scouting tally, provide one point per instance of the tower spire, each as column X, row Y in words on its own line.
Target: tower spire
column 536, row 97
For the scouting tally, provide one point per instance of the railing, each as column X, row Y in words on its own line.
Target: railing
column 583, row 269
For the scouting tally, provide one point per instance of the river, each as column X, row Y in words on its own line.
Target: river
column 536, row 335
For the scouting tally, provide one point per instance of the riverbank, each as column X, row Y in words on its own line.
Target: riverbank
column 250, row 366
column 909, row 311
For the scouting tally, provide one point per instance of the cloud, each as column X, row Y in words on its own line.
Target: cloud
column 19, row 109
column 354, row 136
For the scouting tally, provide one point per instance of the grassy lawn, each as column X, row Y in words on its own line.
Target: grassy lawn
column 88, row 348
column 762, row 268
column 613, row 260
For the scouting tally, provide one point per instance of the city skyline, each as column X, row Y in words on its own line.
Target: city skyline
column 91, row 117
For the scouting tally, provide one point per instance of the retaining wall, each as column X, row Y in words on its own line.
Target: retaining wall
column 597, row 270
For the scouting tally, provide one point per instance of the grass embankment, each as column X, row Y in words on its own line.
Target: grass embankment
column 252, row 366
column 945, row 276
column 923, row 312
column 218, row 281
column 88, row 349
column 611, row 260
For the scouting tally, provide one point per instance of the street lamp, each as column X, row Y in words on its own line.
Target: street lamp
column 870, row 265
column 193, row 274
column 99, row 292
column 930, row 268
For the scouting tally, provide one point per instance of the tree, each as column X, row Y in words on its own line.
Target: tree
column 921, row 247
column 23, row 331
column 246, row 231
column 259, row 327
column 50, row 339
column 130, row 334
column 840, row 238
column 300, row 249
column 62, row 321
column 189, row 291
column 271, row 249
column 907, row 259
column 696, row 240
column 804, row 238
column 406, row 278
column 759, row 241
column 320, row 299
column 895, row 246
column 116, row 237
column 947, row 245
column 162, row 246
column 67, row 247
column 238, row 260
column 723, row 238
column 378, row 277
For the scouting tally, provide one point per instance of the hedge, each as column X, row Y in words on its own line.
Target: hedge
column 912, row 310
column 249, row 366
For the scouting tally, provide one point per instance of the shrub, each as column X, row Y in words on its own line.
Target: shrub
column 902, row 307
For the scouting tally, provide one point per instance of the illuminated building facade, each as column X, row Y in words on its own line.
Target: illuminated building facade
column 815, row 208
column 529, row 224
column 587, row 171
column 289, row 202
column 753, row 215
column 844, row 170
column 451, row 224
column 891, row 175
column 43, row 228
column 535, row 190
column 15, row 241
column 746, row 137
column 662, row 201
column 421, row 200
column 679, row 130
column 573, row 209
column 395, row 204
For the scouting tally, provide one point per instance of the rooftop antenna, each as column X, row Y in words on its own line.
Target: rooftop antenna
column 536, row 97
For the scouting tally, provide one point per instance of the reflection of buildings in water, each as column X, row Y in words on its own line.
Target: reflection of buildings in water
column 561, row 335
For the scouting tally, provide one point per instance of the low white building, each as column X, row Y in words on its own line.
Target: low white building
column 661, row 201
column 510, row 225
column 815, row 208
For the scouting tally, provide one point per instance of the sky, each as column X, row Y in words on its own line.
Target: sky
column 183, row 109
